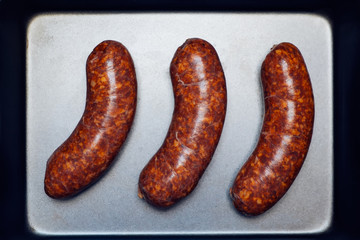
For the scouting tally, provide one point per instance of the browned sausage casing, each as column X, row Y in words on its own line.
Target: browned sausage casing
column 285, row 136
column 200, row 103
column 103, row 127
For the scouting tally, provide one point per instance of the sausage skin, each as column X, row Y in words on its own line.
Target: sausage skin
column 285, row 136
column 103, row 127
column 200, row 104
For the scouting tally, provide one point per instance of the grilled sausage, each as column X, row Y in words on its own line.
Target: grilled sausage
column 103, row 127
column 200, row 103
column 285, row 136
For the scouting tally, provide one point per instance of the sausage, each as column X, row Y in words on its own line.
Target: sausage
column 103, row 127
column 285, row 135
column 199, row 90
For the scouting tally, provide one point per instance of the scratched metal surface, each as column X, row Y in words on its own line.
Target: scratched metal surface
column 57, row 48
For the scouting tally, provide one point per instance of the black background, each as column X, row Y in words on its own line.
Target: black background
column 345, row 19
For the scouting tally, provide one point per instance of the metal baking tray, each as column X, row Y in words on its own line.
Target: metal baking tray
column 57, row 48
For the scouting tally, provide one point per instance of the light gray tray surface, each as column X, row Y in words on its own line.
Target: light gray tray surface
column 57, row 48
